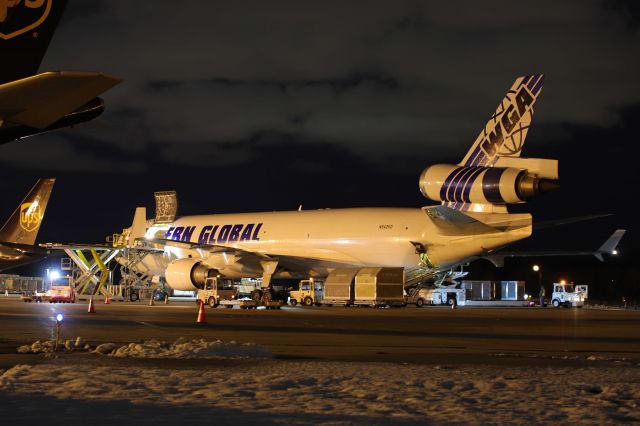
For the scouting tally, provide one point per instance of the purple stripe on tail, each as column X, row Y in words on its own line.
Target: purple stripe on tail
column 472, row 157
column 538, row 86
column 467, row 189
column 533, row 81
column 451, row 191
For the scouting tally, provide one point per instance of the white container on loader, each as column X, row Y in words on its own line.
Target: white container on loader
column 379, row 287
column 339, row 287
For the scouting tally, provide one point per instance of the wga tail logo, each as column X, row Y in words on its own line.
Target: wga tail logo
column 30, row 216
column 21, row 16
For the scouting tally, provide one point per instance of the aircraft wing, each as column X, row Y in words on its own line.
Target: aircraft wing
column 211, row 248
column 75, row 246
column 609, row 247
column 453, row 222
column 42, row 99
column 537, row 226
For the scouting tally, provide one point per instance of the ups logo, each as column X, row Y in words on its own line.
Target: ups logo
column 30, row 216
column 34, row 13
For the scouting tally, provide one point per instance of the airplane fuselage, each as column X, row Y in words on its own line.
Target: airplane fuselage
column 312, row 242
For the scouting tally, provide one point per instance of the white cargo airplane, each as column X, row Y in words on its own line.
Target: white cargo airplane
column 472, row 220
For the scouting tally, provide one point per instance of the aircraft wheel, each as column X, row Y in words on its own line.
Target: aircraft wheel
column 267, row 296
column 256, row 295
column 133, row 296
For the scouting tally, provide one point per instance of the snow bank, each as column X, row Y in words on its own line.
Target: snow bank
column 185, row 349
column 180, row 349
column 329, row 393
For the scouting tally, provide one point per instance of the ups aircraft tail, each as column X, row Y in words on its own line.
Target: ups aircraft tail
column 492, row 174
column 26, row 29
column 32, row 103
column 24, row 224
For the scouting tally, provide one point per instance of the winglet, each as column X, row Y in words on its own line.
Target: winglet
column 610, row 245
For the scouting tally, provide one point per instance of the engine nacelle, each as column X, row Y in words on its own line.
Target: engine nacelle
column 482, row 185
column 187, row 274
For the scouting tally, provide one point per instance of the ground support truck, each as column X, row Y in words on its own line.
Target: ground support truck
column 34, row 297
column 217, row 291
column 569, row 295
column 308, row 293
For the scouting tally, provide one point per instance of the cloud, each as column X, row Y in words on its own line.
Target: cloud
column 56, row 152
column 372, row 77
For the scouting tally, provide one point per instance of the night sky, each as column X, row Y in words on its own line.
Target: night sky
column 261, row 106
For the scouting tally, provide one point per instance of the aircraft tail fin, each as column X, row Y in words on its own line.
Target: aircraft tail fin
column 26, row 28
column 610, row 245
column 24, row 224
column 139, row 224
column 505, row 132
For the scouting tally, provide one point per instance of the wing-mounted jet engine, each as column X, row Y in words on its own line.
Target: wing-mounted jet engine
column 188, row 274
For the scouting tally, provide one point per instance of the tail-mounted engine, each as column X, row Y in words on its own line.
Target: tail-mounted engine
column 188, row 274
column 510, row 181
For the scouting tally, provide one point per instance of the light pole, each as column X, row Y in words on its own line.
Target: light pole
column 59, row 319
column 537, row 269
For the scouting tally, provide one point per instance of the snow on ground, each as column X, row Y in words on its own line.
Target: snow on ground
column 328, row 393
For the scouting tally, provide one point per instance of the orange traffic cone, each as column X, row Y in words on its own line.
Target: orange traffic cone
column 201, row 317
column 166, row 298
column 106, row 300
column 92, row 309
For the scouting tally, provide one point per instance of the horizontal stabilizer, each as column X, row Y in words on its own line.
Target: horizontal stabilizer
column 43, row 99
column 609, row 246
column 453, row 222
column 566, row 221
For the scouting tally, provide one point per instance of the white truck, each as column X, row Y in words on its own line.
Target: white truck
column 217, row 291
column 569, row 295
column 435, row 296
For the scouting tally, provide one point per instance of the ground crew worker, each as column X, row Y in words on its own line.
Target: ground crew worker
column 542, row 294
